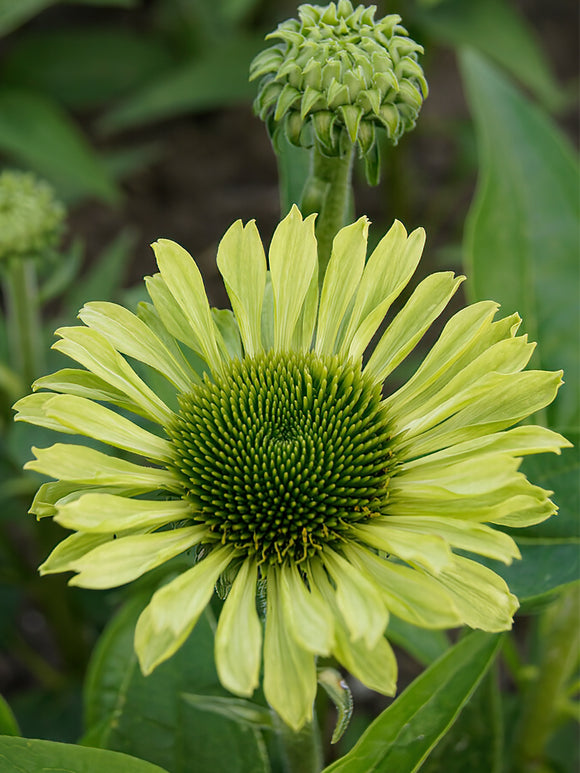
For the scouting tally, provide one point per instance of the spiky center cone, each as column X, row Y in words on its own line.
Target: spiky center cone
column 283, row 453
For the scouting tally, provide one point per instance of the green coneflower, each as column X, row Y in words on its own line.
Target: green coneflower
column 274, row 452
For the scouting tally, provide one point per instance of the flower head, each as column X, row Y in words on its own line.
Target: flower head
column 273, row 454
column 31, row 217
column 337, row 75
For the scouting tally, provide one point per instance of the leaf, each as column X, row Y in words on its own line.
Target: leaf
column 497, row 29
column 423, row 644
column 218, row 78
column 18, row 755
column 404, row 734
column 293, row 170
column 8, row 723
column 68, row 64
column 521, row 238
column 153, row 717
column 546, row 566
column 13, row 13
column 35, row 132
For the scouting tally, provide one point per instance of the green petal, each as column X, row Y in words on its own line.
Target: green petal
column 184, row 281
column 67, row 413
column 85, row 465
column 123, row 560
column 293, row 260
column 153, row 647
column 465, row 535
column 131, row 336
column 59, row 492
column 83, row 383
column 482, row 597
column 310, row 620
column 423, row 307
column 358, row 600
column 170, row 313
column 193, row 365
column 341, row 281
column 518, row 395
column 238, row 639
column 386, row 273
column 70, row 550
column 242, row 263
column 467, row 477
column 407, row 593
column 183, row 600
column 289, row 670
column 108, row 513
column 96, row 354
column 375, row 667
column 424, row 549
column 306, row 325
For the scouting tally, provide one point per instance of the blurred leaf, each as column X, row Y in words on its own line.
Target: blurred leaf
column 18, row 755
column 68, row 64
column 64, row 269
column 235, row 10
column 546, row 566
column 123, row 162
column 521, row 238
column 8, row 723
column 475, row 742
column 423, row 644
column 404, row 734
column 497, row 29
column 219, row 78
column 36, row 133
column 293, row 171
column 153, row 717
column 13, row 13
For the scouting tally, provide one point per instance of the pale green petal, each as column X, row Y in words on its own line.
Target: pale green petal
column 310, row 619
column 341, row 281
column 467, row 477
column 182, row 601
column 518, row 395
column 306, row 325
column 83, row 383
column 229, row 331
column 267, row 326
column 481, row 376
column 358, row 600
column 123, row 560
column 58, row 492
column 184, row 281
column 238, row 639
column 293, row 260
column 524, row 511
column 85, row 465
column 407, row 593
column 72, row 549
column 481, row 596
column 96, row 354
column 457, row 337
column 289, row 670
column 153, row 647
column 465, row 535
column 386, row 273
column 375, row 667
column 171, row 314
column 426, row 303
column 424, row 549
column 131, row 336
column 109, row 513
column 242, row 263
column 67, row 413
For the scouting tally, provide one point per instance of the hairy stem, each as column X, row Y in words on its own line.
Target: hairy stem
column 301, row 751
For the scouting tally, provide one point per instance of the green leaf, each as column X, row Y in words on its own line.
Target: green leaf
column 154, row 717
column 218, row 78
column 293, row 171
column 20, row 755
column 36, row 133
column 68, row 64
column 13, row 13
column 8, row 723
column 546, row 566
column 521, row 238
column 405, row 733
column 497, row 29
column 423, row 644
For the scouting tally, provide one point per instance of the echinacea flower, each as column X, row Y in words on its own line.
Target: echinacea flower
column 272, row 451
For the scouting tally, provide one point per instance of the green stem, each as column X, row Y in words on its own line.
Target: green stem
column 328, row 191
column 302, row 752
column 23, row 318
column 559, row 655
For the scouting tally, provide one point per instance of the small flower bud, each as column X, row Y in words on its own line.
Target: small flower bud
column 336, row 75
column 31, row 217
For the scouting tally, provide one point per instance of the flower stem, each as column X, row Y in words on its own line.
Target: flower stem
column 23, row 319
column 561, row 639
column 301, row 752
column 328, row 191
